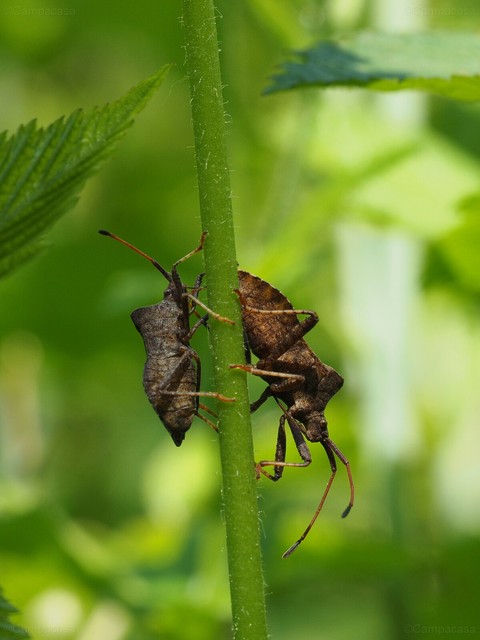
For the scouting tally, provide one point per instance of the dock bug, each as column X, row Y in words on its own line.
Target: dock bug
column 297, row 379
column 172, row 372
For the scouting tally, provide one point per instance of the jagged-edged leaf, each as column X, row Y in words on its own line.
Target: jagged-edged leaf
column 42, row 170
column 9, row 631
column 445, row 63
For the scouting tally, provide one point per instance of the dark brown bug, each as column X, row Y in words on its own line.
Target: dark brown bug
column 296, row 377
column 172, row 373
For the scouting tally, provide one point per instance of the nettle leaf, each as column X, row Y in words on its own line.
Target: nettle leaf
column 9, row 631
column 445, row 63
column 42, row 170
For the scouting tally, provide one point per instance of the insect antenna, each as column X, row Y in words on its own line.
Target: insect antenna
column 156, row 264
column 333, row 447
column 330, row 448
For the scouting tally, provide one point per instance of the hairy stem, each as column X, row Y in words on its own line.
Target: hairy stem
column 239, row 493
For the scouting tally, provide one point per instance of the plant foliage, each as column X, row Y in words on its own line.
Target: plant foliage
column 9, row 631
column 445, row 63
column 42, row 170
column 459, row 246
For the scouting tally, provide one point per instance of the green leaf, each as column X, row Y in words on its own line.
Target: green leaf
column 42, row 170
column 445, row 63
column 9, row 631
column 460, row 246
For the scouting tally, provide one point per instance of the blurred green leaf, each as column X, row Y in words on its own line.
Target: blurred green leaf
column 43, row 170
column 8, row 630
column 444, row 63
column 459, row 246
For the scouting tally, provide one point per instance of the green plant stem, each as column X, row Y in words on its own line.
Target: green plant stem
column 236, row 446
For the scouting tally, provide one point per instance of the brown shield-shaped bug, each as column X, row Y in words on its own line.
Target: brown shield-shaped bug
column 172, row 373
column 296, row 378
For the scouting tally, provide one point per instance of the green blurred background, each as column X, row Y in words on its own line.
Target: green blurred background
column 362, row 207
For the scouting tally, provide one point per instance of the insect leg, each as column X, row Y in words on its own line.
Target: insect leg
column 198, row 285
column 267, row 393
column 195, row 290
column 280, row 453
column 204, row 418
column 215, row 315
column 264, row 372
column 191, row 253
column 279, row 462
column 176, row 375
column 202, row 321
